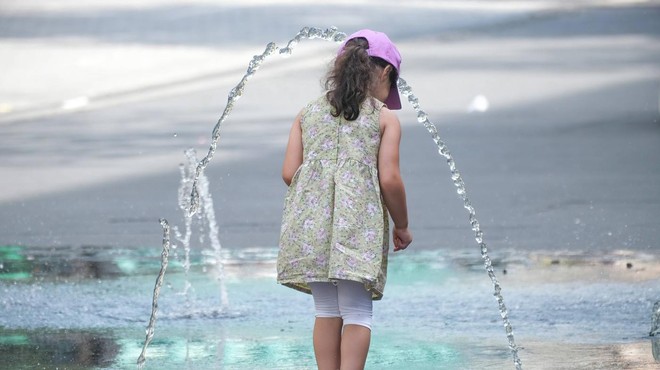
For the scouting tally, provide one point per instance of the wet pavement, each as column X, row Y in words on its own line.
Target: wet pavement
column 89, row 309
column 561, row 170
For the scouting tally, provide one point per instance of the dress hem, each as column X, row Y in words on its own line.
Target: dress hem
column 301, row 285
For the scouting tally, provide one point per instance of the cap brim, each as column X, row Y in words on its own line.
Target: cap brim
column 393, row 100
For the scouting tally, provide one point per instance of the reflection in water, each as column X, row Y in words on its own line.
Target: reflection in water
column 68, row 349
column 61, row 263
column 236, row 345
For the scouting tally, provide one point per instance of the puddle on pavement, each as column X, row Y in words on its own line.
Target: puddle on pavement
column 87, row 307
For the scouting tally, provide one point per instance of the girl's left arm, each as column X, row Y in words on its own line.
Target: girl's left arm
column 293, row 157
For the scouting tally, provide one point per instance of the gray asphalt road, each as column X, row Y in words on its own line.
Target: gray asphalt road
column 566, row 157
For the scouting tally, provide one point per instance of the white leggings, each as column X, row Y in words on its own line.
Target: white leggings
column 343, row 298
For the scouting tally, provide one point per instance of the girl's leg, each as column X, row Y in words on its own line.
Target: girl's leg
column 327, row 342
column 354, row 347
column 355, row 306
column 327, row 327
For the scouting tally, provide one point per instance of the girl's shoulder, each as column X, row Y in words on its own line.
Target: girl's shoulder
column 316, row 105
column 388, row 118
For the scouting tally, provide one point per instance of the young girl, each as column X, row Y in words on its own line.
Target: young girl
column 342, row 169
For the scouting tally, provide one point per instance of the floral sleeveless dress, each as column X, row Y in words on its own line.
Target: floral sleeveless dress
column 335, row 223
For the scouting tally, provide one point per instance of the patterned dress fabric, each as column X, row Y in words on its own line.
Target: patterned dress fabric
column 335, row 224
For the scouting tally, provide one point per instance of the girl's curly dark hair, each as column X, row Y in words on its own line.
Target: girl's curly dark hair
column 349, row 80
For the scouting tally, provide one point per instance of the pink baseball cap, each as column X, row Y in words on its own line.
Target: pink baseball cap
column 381, row 46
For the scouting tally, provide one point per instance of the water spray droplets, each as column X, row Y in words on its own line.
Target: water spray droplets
column 422, row 117
column 329, row 34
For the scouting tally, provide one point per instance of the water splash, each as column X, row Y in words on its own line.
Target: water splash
column 159, row 283
column 456, row 177
column 193, row 205
column 208, row 222
column 205, row 218
column 184, row 238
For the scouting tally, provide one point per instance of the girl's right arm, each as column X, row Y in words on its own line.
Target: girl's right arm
column 293, row 157
column 389, row 176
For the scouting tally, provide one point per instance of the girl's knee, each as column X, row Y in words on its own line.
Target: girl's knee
column 355, row 304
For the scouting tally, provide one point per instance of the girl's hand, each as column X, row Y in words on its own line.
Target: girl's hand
column 402, row 238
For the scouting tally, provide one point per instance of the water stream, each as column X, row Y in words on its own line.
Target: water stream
column 159, row 284
column 199, row 202
column 422, row 118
